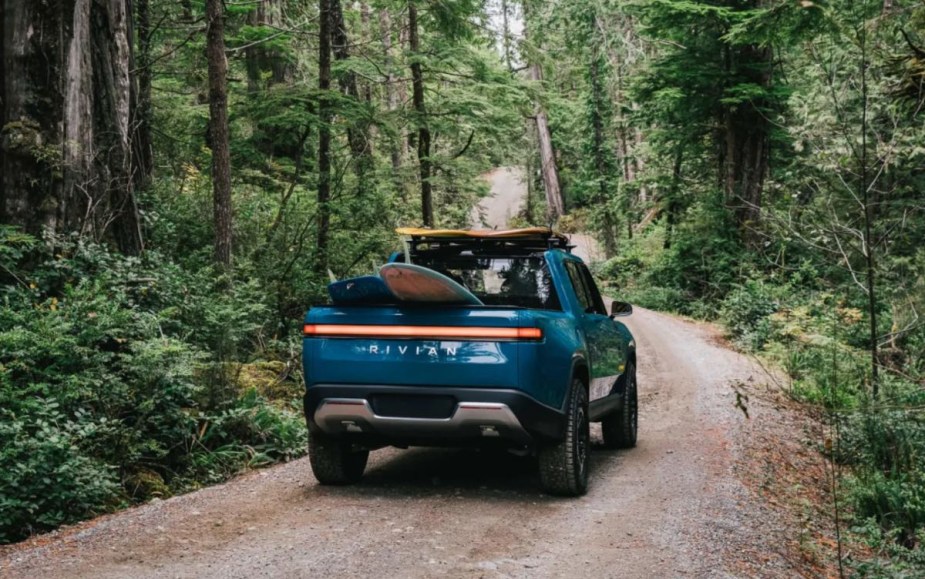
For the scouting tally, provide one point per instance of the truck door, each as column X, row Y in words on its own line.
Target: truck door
column 604, row 340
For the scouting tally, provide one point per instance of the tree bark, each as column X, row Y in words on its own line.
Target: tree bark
column 324, row 135
column 366, row 38
column 357, row 133
column 113, row 108
column 259, row 58
column 65, row 110
column 31, row 166
column 391, row 91
column 142, row 140
column 417, row 82
column 601, row 155
column 218, row 115
column 187, row 9
column 506, row 36
column 672, row 201
column 639, row 162
column 869, row 245
column 555, row 206
column 746, row 136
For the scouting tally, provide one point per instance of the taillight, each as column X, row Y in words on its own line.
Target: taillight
column 421, row 332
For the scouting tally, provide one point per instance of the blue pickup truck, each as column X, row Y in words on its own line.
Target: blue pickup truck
column 526, row 370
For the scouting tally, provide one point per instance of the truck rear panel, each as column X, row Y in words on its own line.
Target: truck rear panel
column 406, row 373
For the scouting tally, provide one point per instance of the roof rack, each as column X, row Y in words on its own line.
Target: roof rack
column 532, row 240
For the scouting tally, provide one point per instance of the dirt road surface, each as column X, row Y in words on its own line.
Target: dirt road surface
column 672, row 507
column 506, row 200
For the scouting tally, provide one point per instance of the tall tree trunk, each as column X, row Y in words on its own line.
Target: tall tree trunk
column 623, row 150
column 555, row 206
column 218, row 125
column 35, row 39
column 417, row 81
column 639, row 163
column 391, row 91
column 258, row 58
column 324, row 134
column 554, row 203
column 142, row 141
column 367, row 35
column 254, row 56
column 746, row 136
column 112, row 64
column 506, row 36
column 870, row 261
column 672, row 201
column 601, row 155
column 357, row 133
column 186, row 7
column 65, row 110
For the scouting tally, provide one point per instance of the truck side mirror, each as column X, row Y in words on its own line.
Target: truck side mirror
column 620, row 309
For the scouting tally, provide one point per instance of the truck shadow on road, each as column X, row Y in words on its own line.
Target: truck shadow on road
column 472, row 473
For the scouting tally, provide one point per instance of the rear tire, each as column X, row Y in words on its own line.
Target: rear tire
column 564, row 465
column 335, row 462
column 619, row 428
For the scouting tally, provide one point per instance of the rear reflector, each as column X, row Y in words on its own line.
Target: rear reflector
column 421, row 332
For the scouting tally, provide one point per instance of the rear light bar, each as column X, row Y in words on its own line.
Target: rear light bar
column 421, row 332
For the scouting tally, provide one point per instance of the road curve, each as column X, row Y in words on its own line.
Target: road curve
column 505, row 200
column 672, row 507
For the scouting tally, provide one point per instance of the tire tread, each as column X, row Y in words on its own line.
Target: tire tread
column 559, row 471
column 335, row 462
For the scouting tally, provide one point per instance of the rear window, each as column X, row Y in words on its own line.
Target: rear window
column 501, row 281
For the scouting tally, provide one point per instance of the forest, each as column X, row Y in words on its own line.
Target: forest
column 180, row 180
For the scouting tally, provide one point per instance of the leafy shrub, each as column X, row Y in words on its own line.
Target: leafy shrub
column 250, row 434
column 884, row 449
column 624, row 269
column 746, row 313
column 46, row 477
column 117, row 382
column 897, row 503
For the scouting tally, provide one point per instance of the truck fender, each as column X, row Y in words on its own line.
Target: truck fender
column 580, row 370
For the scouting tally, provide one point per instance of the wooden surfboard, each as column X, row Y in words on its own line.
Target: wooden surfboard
column 370, row 289
column 413, row 283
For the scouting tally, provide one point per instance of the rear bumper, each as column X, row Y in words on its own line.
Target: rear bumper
column 430, row 416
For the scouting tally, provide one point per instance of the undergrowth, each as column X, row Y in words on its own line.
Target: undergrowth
column 816, row 332
column 126, row 379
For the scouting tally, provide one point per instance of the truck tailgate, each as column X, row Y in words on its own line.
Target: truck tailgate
column 387, row 345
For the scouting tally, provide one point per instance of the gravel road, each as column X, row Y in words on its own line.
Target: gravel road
column 672, row 507
column 505, row 200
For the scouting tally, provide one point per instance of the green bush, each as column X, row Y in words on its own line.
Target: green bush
column 45, row 473
column 746, row 314
column 117, row 382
